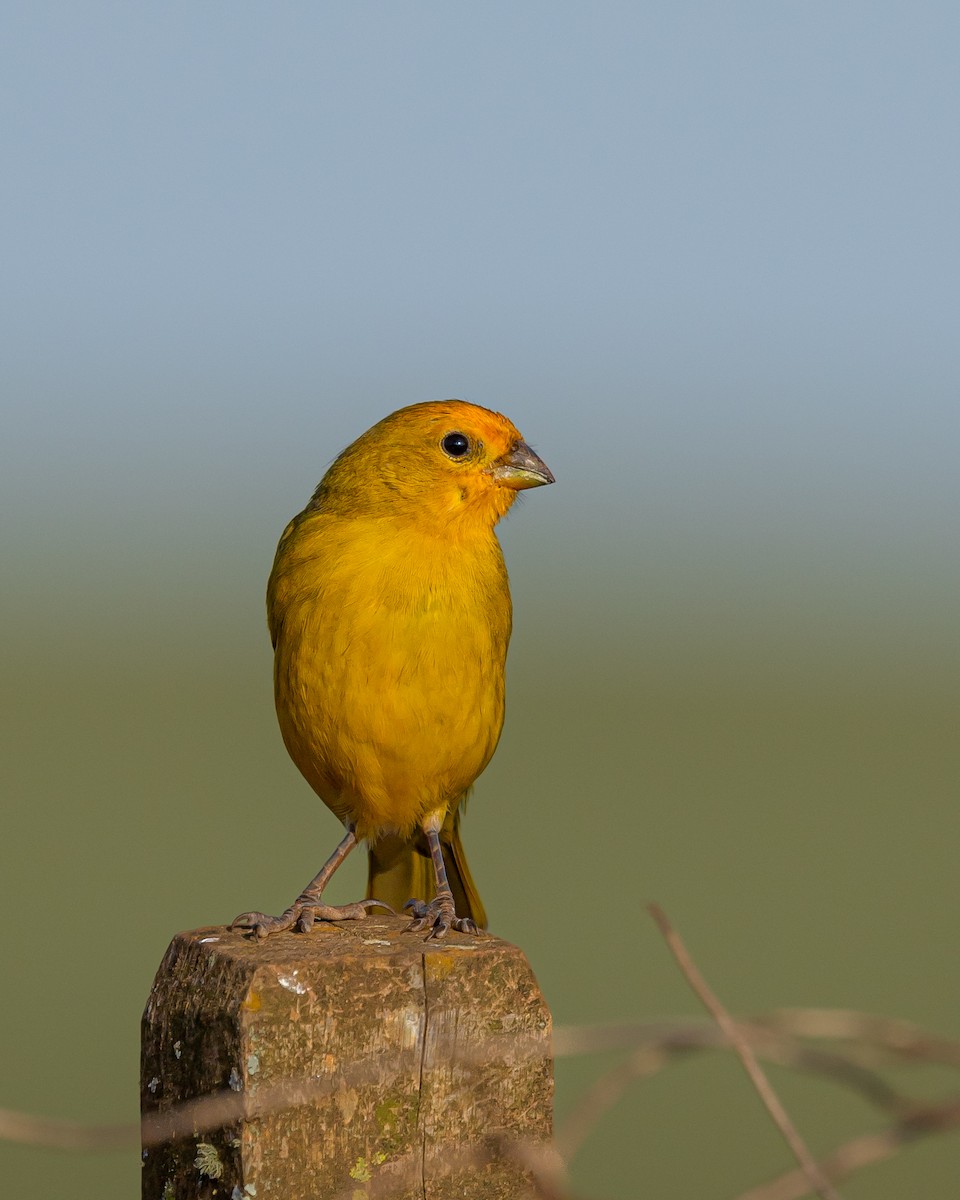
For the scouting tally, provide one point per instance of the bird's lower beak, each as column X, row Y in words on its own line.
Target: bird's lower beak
column 521, row 468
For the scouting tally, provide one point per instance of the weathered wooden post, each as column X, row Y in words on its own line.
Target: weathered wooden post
column 367, row 1062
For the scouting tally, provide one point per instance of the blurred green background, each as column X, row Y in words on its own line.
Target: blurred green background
column 706, row 257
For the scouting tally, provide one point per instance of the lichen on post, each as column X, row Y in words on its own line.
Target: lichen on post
column 359, row 1060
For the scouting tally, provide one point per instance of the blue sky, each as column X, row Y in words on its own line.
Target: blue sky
column 706, row 256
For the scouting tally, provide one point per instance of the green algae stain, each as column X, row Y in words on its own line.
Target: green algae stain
column 394, row 1122
column 360, row 1171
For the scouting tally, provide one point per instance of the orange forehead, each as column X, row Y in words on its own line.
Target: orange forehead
column 446, row 416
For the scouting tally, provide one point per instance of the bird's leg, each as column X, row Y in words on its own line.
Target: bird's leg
column 441, row 913
column 307, row 909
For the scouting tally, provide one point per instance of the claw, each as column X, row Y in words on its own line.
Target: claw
column 439, row 916
column 306, row 919
column 261, row 925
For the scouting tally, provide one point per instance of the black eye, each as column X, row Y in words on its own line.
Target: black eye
column 456, row 445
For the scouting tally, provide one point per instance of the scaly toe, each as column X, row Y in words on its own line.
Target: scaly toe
column 347, row 912
column 303, row 915
column 439, row 917
column 261, row 925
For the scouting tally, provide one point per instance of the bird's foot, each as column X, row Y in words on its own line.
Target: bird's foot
column 438, row 916
column 302, row 915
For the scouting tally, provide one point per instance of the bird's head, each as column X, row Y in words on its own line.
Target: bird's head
column 442, row 463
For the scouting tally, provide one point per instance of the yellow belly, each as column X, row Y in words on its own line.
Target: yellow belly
column 389, row 673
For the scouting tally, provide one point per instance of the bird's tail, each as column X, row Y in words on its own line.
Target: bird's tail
column 400, row 869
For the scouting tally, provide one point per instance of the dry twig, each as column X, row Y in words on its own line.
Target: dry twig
column 776, row 1037
column 60, row 1134
column 821, row 1185
column 547, row 1176
column 657, row 1045
column 886, row 1037
column 862, row 1152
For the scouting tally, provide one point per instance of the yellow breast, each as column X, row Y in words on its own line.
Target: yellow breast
column 389, row 671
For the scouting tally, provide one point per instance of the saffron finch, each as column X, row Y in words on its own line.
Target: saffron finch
column 390, row 615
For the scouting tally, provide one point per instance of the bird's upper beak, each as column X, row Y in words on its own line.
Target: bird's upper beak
column 521, row 468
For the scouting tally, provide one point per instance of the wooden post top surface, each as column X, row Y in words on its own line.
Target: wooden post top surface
column 415, row 1048
column 376, row 937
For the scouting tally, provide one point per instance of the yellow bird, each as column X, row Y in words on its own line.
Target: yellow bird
column 390, row 615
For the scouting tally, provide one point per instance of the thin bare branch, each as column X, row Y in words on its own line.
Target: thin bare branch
column 821, row 1185
column 774, row 1037
column 862, row 1152
column 55, row 1133
column 655, row 1045
column 202, row 1115
column 671, row 1043
column 890, row 1038
column 604, row 1093
column 546, row 1173
column 573, row 1040
column 901, row 1040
